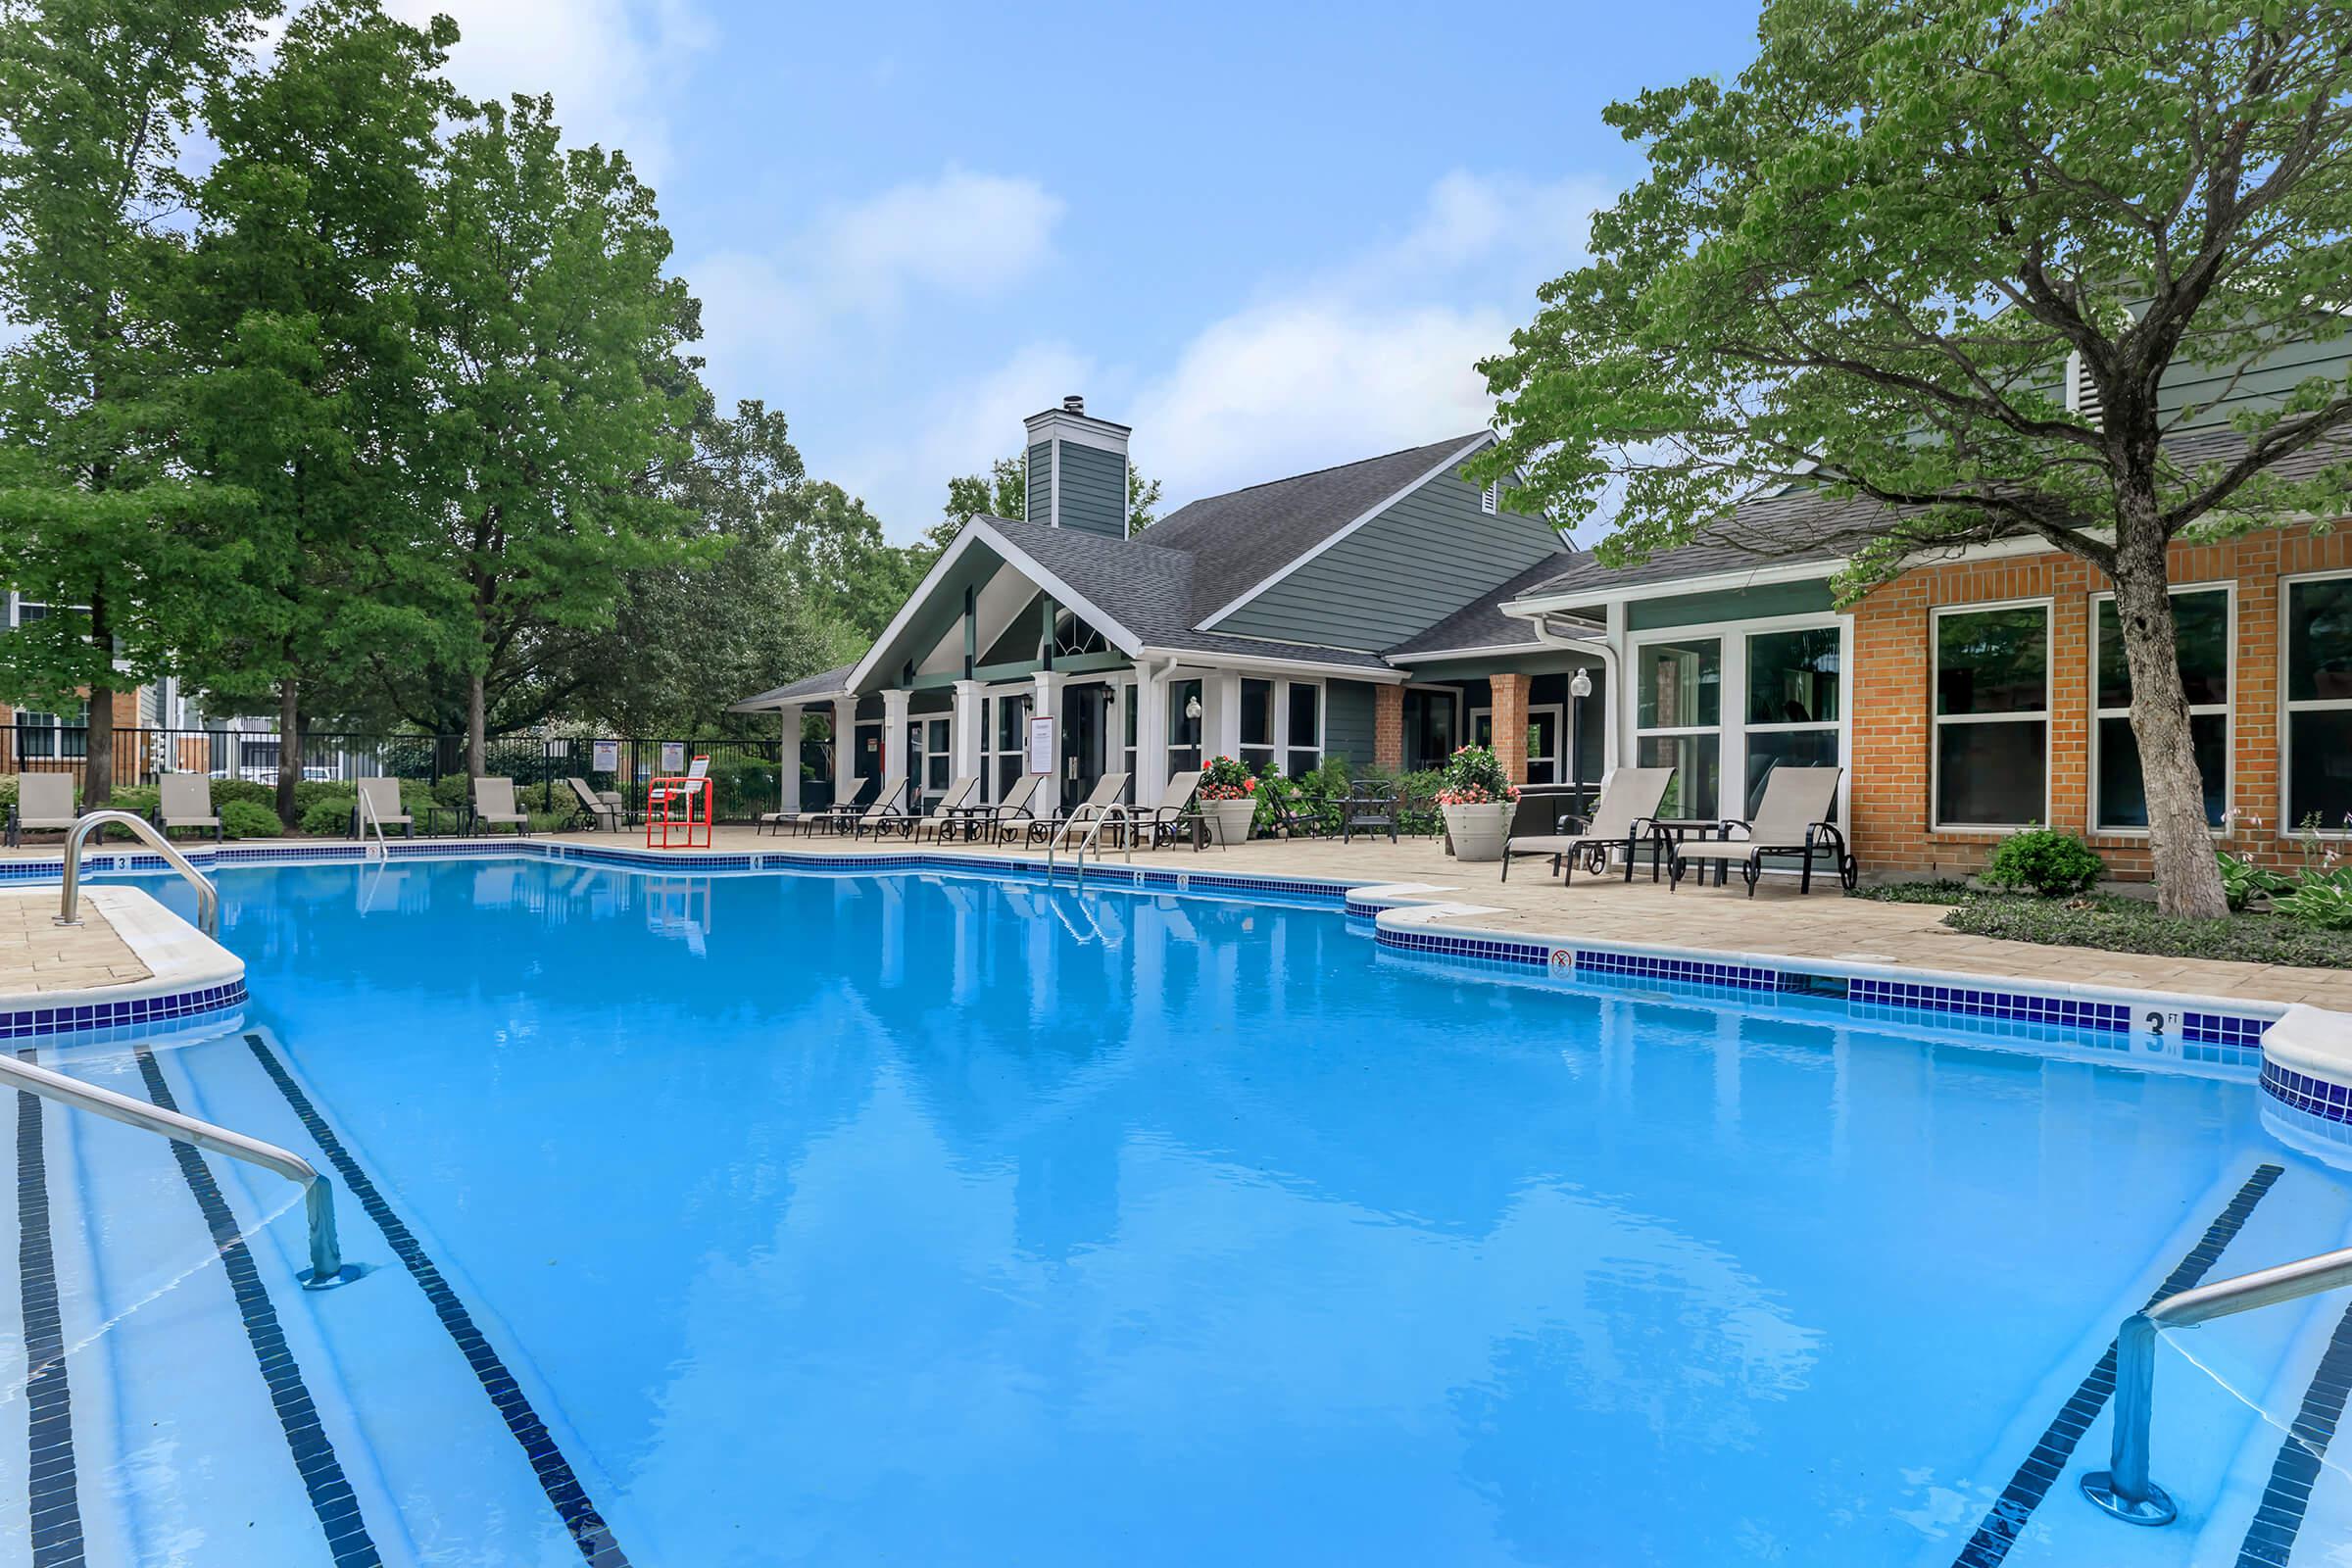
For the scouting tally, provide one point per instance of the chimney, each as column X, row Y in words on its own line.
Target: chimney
column 1077, row 471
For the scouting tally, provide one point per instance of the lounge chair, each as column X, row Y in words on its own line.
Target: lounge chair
column 1084, row 814
column 1176, row 815
column 882, row 814
column 605, row 812
column 948, row 813
column 494, row 801
column 44, row 805
column 381, row 797
column 185, row 799
column 826, row 817
column 1620, row 820
column 1793, row 819
column 998, row 821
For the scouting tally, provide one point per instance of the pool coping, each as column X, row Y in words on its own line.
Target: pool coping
column 1420, row 919
column 189, row 975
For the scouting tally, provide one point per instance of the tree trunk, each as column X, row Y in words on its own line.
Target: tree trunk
column 2189, row 882
column 289, row 747
column 98, row 735
column 476, row 745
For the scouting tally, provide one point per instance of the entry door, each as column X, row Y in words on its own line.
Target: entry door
column 1085, row 740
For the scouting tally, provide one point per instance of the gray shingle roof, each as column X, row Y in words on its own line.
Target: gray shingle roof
column 824, row 685
column 1242, row 538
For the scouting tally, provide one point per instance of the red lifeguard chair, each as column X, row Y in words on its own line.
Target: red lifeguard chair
column 679, row 802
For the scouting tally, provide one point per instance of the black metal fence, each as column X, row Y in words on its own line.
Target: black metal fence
column 745, row 773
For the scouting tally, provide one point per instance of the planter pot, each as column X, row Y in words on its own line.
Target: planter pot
column 1233, row 818
column 1476, row 831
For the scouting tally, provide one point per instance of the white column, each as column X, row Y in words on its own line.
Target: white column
column 1046, row 703
column 896, row 753
column 845, row 750
column 1221, row 713
column 788, row 759
column 964, row 731
column 1151, row 737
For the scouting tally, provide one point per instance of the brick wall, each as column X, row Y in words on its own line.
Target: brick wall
column 1388, row 726
column 1892, row 697
column 1509, row 693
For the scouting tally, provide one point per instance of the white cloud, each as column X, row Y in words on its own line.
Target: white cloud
column 610, row 65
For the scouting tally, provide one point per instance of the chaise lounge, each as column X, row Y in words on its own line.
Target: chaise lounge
column 1620, row 820
column 44, row 805
column 494, row 804
column 381, row 799
column 1793, row 819
column 185, row 799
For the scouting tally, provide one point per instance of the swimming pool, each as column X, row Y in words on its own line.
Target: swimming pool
column 860, row 1218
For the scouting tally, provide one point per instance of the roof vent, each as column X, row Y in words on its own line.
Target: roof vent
column 1073, row 404
column 2083, row 393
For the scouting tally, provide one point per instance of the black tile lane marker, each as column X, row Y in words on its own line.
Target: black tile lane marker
column 589, row 1532
column 2007, row 1517
column 331, row 1496
column 307, row 1440
column 56, row 1497
column 2278, row 1519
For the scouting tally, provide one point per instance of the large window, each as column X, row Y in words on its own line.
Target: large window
column 1431, row 716
column 1183, row 726
column 2201, row 624
column 1992, row 717
column 1678, row 713
column 1795, row 699
column 1008, row 732
column 1305, row 725
column 53, row 737
column 2319, row 704
column 1257, row 724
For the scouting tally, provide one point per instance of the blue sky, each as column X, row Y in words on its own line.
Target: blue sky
column 1270, row 238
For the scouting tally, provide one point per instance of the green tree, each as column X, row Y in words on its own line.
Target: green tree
column 841, row 565
column 96, row 517
column 1864, row 264
column 559, row 388
column 1003, row 491
column 308, row 388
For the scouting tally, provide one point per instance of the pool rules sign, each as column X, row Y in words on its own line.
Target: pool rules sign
column 1041, row 746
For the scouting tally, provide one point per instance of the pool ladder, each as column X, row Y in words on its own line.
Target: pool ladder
column 69, row 904
column 1090, row 840
column 2124, row 1489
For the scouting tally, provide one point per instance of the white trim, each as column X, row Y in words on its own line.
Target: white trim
column 1937, row 721
column 2290, row 707
column 1053, row 495
column 1080, row 429
column 1485, row 438
column 2227, row 709
column 1434, row 654
column 1195, row 659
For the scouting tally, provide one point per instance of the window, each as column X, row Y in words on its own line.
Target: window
column 2201, row 622
column 1678, row 717
column 1992, row 717
column 1305, row 705
column 1431, row 715
column 2319, row 704
column 53, row 737
column 1183, row 726
column 1008, row 732
column 1257, row 724
column 1072, row 637
column 1794, row 701
column 928, row 757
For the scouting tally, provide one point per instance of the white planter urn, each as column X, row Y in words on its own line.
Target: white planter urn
column 1233, row 818
column 1476, row 831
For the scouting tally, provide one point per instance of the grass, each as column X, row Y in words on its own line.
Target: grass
column 2112, row 923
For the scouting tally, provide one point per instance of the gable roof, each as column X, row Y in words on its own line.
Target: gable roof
column 831, row 683
column 1481, row 623
column 1240, row 539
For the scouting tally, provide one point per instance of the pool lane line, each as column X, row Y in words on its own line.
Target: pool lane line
column 2006, row 1519
column 331, row 1496
column 2279, row 1517
column 557, row 1479
column 54, row 1491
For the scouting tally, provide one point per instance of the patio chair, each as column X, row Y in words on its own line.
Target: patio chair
column 825, row 817
column 494, row 801
column 1793, row 819
column 604, row 811
column 381, row 798
column 44, row 805
column 950, row 811
column 1371, row 808
column 1084, row 814
column 885, row 815
column 1289, row 822
column 1013, row 811
column 185, row 799
column 1176, row 815
column 1620, row 820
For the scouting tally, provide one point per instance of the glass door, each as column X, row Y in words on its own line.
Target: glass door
column 1545, row 728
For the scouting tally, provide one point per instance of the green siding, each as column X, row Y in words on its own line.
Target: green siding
column 1731, row 603
column 1036, row 485
column 2262, row 384
column 1347, row 709
column 1018, row 642
column 1094, row 490
column 1408, row 569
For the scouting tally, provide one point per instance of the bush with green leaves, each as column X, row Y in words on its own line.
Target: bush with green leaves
column 2113, row 923
column 2242, row 879
column 2320, row 898
column 226, row 790
column 245, row 819
column 1937, row 890
column 329, row 815
column 2046, row 861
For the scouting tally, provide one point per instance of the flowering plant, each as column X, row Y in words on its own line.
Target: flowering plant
column 1225, row 779
column 1474, row 776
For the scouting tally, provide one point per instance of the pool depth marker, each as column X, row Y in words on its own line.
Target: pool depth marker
column 557, row 1479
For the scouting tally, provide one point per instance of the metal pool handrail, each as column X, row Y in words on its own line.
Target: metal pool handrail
column 1090, row 837
column 69, row 904
column 369, row 820
column 318, row 1192
column 2124, row 1490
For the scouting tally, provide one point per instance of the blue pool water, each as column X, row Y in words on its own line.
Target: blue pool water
column 862, row 1219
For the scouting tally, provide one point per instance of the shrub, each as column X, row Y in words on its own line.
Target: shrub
column 2117, row 924
column 2046, row 861
column 246, row 820
column 329, row 815
column 310, row 792
column 451, row 791
column 2242, row 879
column 2320, row 900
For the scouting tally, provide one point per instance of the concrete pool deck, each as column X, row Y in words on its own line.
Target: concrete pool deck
column 38, row 955
column 1778, row 921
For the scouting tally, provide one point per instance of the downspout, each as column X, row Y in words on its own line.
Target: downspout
column 1540, row 624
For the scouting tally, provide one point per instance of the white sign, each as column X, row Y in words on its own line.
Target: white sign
column 1041, row 746
column 674, row 756
column 607, row 757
